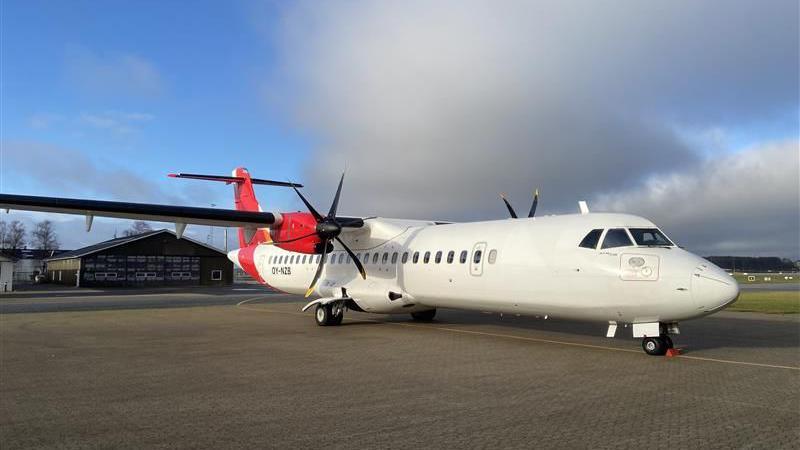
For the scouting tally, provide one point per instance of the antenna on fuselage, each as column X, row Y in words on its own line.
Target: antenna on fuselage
column 583, row 206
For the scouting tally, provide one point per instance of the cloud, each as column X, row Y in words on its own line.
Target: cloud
column 63, row 172
column 435, row 107
column 730, row 205
column 41, row 121
column 119, row 122
column 67, row 172
column 116, row 74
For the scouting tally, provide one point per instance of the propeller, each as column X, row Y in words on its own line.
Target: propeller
column 328, row 229
column 513, row 213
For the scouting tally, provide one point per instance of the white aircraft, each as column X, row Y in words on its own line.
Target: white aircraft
column 614, row 268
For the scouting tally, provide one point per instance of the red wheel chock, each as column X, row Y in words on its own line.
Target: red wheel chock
column 671, row 352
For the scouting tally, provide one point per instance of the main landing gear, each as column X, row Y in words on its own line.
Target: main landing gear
column 330, row 314
column 657, row 346
column 424, row 316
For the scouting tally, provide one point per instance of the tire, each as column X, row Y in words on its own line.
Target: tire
column 654, row 346
column 337, row 319
column 424, row 316
column 323, row 315
column 667, row 341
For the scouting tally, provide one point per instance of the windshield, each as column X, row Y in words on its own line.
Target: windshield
column 649, row 237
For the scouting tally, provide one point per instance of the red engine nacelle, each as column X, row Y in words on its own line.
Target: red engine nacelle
column 294, row 226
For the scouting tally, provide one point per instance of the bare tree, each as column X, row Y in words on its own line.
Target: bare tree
column 15, row 235
column 44, row 237
column 3, row 232
column 138, row 227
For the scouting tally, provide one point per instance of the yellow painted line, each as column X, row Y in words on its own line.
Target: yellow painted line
column 743, row 363
column 522, row 338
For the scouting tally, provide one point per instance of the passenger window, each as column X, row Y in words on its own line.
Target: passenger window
column 385, row 258
column 304, row 258
column 394, row 258
column 476, row 258
column 426, row 258
column 280, row 259
column 416, row 257
column 358, row 256
column 492, row 256
column 463, row 257
column 450, row 256
column 405, row 257
column 591, row 239
column 375, row 258
column 269, row 261
column 341, row 258
column 438, row 258
column 332, row 258
column 616, row 237
column 347, row 260
column 366, row 258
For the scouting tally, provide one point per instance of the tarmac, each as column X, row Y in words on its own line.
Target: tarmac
column 245, row 368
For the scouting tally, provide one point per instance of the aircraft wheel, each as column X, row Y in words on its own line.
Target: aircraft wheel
column 323, row 315
column 424, row 316
column 654, row 346
column 336, row 319
column 667, row 341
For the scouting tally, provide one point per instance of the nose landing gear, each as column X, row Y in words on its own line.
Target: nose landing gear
column 657, row 346
column 656, row 340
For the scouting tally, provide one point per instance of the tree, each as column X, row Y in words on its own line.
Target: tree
column 138, row 227
column 44, row 237
column 3, row 232
column 15, row 235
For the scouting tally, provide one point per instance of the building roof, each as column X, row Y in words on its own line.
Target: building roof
column 31, row 253
column 122, row 241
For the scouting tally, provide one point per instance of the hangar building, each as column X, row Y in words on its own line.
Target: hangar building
column 6, row 274
column 156, row 258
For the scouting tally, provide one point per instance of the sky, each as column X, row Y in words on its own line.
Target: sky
column 685, row 112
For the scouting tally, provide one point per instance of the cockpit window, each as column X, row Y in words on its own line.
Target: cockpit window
column 616, row 237
column 591, row 239
column 649, row 237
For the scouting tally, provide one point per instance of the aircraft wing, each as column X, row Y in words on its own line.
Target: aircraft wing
column 181, row 215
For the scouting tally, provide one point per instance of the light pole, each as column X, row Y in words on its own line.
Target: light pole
column 210, row 237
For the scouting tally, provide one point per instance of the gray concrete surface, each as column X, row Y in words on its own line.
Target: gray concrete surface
column 257, row 373
column 81, row 299
column 770, row 287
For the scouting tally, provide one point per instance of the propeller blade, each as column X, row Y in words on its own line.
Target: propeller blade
column 319, row 268
column 353, row 257
column 335, row 204
column 535, row 202
column 508, row 205
column 308, row 205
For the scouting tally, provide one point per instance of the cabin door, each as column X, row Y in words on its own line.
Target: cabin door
column 476, row 259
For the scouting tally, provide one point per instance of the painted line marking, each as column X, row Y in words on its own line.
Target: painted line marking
column 522, row 338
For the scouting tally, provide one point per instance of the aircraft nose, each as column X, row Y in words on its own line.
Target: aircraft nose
column 712, row 288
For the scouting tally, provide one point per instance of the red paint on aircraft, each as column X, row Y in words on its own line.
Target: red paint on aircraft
column 248, row 263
